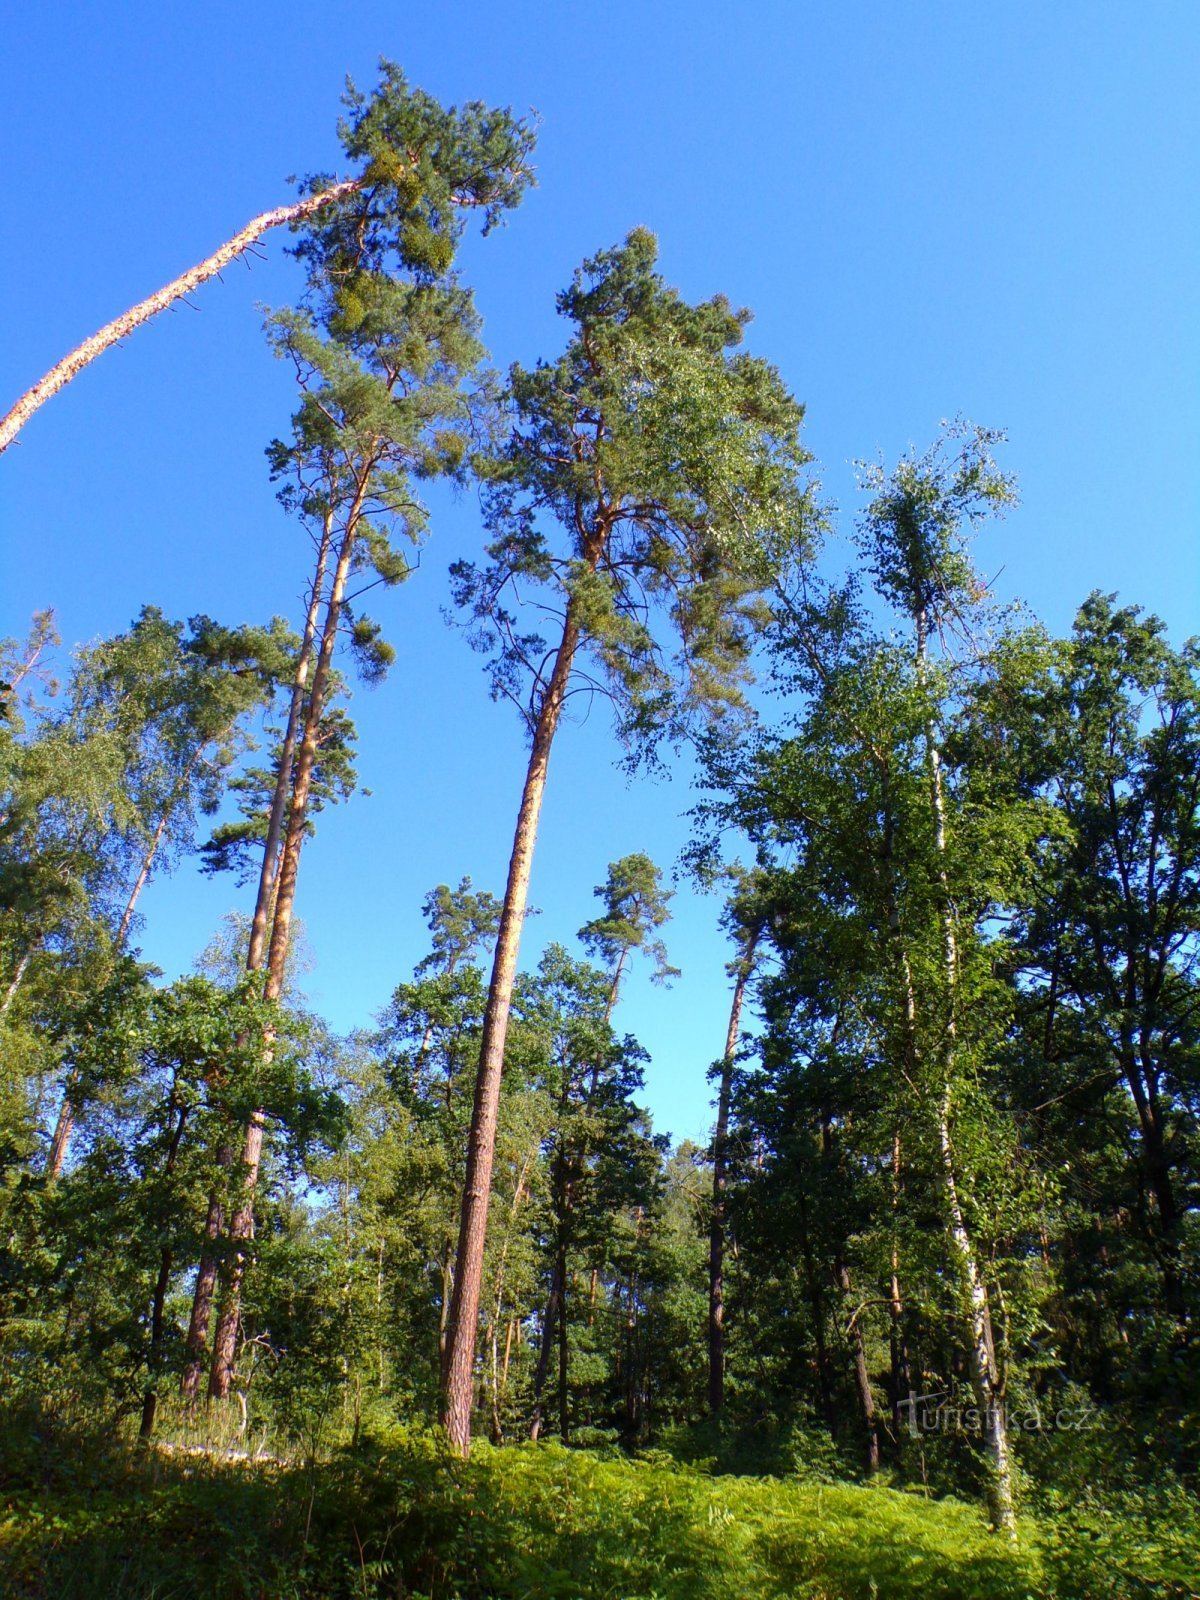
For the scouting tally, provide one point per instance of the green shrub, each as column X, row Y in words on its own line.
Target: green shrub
column 397, row 1516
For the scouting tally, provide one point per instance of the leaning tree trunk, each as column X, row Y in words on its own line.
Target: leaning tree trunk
column 113, row 332
column 458, row 1368
column 716, row 1235
column 241, row 1226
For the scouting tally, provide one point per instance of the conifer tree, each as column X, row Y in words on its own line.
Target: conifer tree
column 649, row 482
column 385, row 347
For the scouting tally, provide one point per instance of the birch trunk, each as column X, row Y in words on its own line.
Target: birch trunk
column 985, row 1379
column 10, row 994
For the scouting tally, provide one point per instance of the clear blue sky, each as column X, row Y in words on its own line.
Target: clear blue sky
column 931, row 207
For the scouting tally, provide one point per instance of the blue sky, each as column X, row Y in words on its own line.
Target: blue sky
column 932, row 208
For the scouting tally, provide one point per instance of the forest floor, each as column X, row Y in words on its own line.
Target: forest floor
column 399, row 1518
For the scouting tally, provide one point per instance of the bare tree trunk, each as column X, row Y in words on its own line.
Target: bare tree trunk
column 206, row 1277
column 549, row 1322
column 113, row 332
column 268, row 873
column 241, row 1227
column 62, row 1137
column 989, row 1390
column 862, row 1379
column 202, row 1296
column 10, row 994
column 564, row 1354
column 716, row 1236
column 464, row 1313
column 159, row 1302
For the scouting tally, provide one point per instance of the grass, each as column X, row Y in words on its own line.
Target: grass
column 397, row 1517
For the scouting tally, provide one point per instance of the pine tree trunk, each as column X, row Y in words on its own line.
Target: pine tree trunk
column 62, row 1137
column 241, row 1227
column 113, row 332
column 206, row 1276
column 203, row 1294
column 457, row 1384
column 716, row 1236
column 268, row 873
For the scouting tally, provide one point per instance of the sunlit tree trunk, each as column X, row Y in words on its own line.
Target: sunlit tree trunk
column 121, row 327
column 989, row 1390
column 18, row 977
column 241, row 1225
column 206, row 1277
column 457, row 1374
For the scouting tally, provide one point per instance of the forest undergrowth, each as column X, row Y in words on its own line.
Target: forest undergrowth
column 398, row 1515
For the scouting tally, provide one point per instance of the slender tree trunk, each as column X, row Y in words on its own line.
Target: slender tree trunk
column 10, row 994
column 241, row 1226
column 151, row 851
column 159, row 1302
column 564, row 1355
column 268, row 873
column 901, row 1364
column 206, row 1277
column 549, row 1323
column 816, row 1301
column 457, row 1372
column 62, row 1136
column 862, row 1379
column 716, row 1236
column 113, row 332
column 241, row 1232
column 989, row 1391
column 204, row 1292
